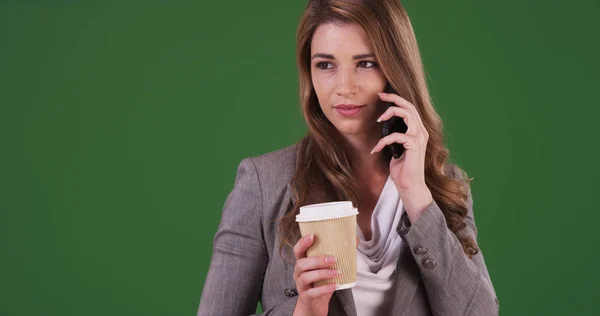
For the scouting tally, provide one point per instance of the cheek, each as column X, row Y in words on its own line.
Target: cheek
column 373, row 86
column 369, row 85
column 374, row 81
column 322, row 85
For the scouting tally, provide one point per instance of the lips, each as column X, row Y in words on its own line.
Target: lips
column 348, row 109
column 347, row 106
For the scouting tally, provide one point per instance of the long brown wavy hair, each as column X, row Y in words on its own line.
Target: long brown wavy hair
column 324, row 170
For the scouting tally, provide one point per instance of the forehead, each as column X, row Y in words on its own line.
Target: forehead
column 340, row 39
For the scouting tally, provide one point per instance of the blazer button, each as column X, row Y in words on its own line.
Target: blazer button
column 421, row 250
column 429, row 263
column 290, row 292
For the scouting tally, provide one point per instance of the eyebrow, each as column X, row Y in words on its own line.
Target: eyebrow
column 328, row 56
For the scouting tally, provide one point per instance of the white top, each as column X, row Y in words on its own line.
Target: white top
column 377, row 258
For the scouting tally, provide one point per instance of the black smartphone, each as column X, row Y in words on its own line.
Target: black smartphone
column 394, row 125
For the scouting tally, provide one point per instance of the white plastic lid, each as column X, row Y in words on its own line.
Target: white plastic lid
column 322, row 211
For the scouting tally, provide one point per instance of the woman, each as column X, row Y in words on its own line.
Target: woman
column 417, row 253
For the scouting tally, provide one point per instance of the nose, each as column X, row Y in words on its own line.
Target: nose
column 346, row 82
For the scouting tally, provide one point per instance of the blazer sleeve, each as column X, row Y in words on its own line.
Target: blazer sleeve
column 234, row 281
column 455, row 284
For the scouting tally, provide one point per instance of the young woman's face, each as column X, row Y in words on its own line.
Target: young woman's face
column 346, row 78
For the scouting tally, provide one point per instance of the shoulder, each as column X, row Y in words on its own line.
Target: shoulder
column 275, row 168
column 453, row 171
column 281, row 159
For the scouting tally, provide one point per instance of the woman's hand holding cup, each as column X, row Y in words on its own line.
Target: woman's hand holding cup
column 313, row 301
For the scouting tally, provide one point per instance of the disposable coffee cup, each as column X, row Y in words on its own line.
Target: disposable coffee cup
column 334, row 227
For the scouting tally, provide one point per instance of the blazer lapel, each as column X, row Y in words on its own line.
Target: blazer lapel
column 291, row 193
column 347, row 301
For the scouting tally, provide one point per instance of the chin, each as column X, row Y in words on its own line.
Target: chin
column 350, row 127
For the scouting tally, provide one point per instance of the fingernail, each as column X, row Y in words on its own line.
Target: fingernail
column 379, row 119
column 372, row 151
column 329, row 259
column 335, row 272
column 307, row 238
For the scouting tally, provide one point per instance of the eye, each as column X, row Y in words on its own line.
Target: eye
column 367, row 64
column 323, row 65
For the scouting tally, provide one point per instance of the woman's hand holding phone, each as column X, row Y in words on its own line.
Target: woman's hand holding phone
column 407, row 172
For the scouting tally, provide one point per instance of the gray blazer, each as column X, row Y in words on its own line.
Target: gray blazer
column 433, row 276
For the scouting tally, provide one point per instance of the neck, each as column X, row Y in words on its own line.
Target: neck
column 368, row 166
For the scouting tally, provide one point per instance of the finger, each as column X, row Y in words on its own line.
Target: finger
column 312, row 263
column 307, row 278
column 410, row 142
column 398, row 100
column 405, row 114
column 402, row 103
column 301, row 246
column 317, row 292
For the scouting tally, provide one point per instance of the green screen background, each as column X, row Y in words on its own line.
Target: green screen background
column 122, row 124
